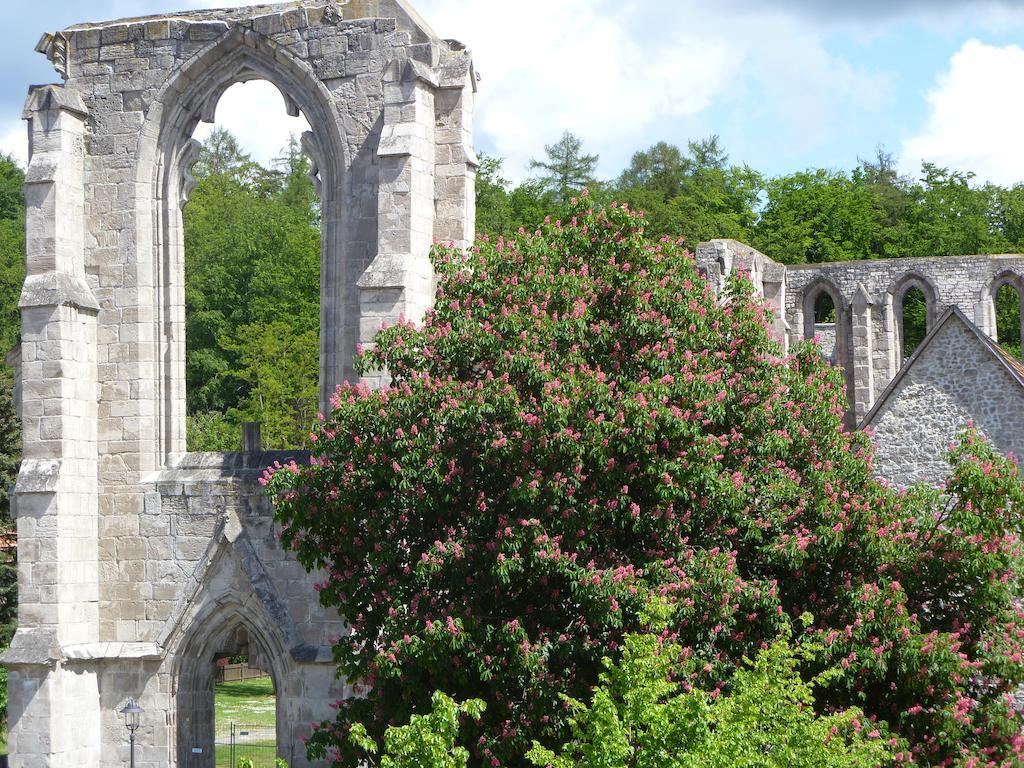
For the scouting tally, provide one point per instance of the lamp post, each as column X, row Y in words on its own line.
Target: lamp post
column 132, row 716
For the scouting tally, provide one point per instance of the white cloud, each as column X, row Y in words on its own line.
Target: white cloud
column 623, row 75
column 14, row 140
column 254, row 112
column 570, row 65
column 975, row 119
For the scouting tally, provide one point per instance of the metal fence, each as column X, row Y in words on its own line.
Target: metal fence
column 246, row 742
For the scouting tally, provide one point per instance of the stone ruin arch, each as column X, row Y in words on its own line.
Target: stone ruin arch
column 987, row 301
column 228, row 627
column 840, row 340
column 166, row 155
column 139, row 560
column 896, row 296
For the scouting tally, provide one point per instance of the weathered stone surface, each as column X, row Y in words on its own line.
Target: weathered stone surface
column 866, row 339
column 140, row 563
column 957, row 376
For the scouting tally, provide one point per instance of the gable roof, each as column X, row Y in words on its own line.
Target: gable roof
column 1013, row 365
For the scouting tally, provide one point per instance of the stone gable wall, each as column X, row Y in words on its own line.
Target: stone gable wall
column 954, row 381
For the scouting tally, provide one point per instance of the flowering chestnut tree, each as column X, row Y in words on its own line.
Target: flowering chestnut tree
column 581, row 425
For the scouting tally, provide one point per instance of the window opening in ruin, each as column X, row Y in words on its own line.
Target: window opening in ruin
column 252, row 276
column 825, row 326
column 914, row 326
column 1008, row 318
column 245, row 713
column 824, row 309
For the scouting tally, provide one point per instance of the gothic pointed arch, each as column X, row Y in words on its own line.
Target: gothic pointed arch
column 904, row 285
column 224, row 625
column 822, row 286
column 1006, row 280
column 166, row 155
column 838, row 333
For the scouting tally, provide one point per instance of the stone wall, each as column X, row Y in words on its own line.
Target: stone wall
column 955, row 379
column 868, row 298
column 138, row 562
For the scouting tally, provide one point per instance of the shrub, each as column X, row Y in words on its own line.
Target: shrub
column 640, row 716
column 580, row 423
column 428, row 741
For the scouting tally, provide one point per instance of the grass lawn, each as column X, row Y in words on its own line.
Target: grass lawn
column 249, row 703
column 246, row 702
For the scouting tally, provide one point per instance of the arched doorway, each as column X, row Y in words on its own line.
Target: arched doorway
column 228, row 631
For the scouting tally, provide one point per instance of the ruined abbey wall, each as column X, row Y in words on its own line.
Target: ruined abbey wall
column 866, row 339
column 139, row 563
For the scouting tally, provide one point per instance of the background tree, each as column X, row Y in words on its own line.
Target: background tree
column 950, row 217
column 503, row 208
column 696, row 195
column 12, row 251
column 252, row 296
column 818, row 216
column 661, row 170
column 567, row 169
column 893, row 200
column 581, row 424
column 10, row 456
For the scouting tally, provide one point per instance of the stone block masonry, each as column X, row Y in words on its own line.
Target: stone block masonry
column 866, row 339
column 140, row 563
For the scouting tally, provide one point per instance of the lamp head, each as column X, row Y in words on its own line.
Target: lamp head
column 132, row 715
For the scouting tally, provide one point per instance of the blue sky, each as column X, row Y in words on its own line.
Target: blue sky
column 787, row 84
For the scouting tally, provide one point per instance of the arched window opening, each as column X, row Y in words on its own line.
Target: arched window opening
column 252, row 276
column 1008, row 318
column 824, row 309
column 825, row 325
column 914, row 315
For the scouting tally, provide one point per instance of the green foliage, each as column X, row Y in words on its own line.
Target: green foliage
column 915, row 320
column 809, row 216
column 214, row 431
column 823, row 215
column 12, row 275
column 428, row 741
column 949, row 217
column 815, row 216
column 252, row 295
column 500, row 207
column 281, row 366
column 1008, row 316
column 12, row 251
column 567, row 170
column 641, row 715
column 10, row 455
column 696, row 196
column 581, row 423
